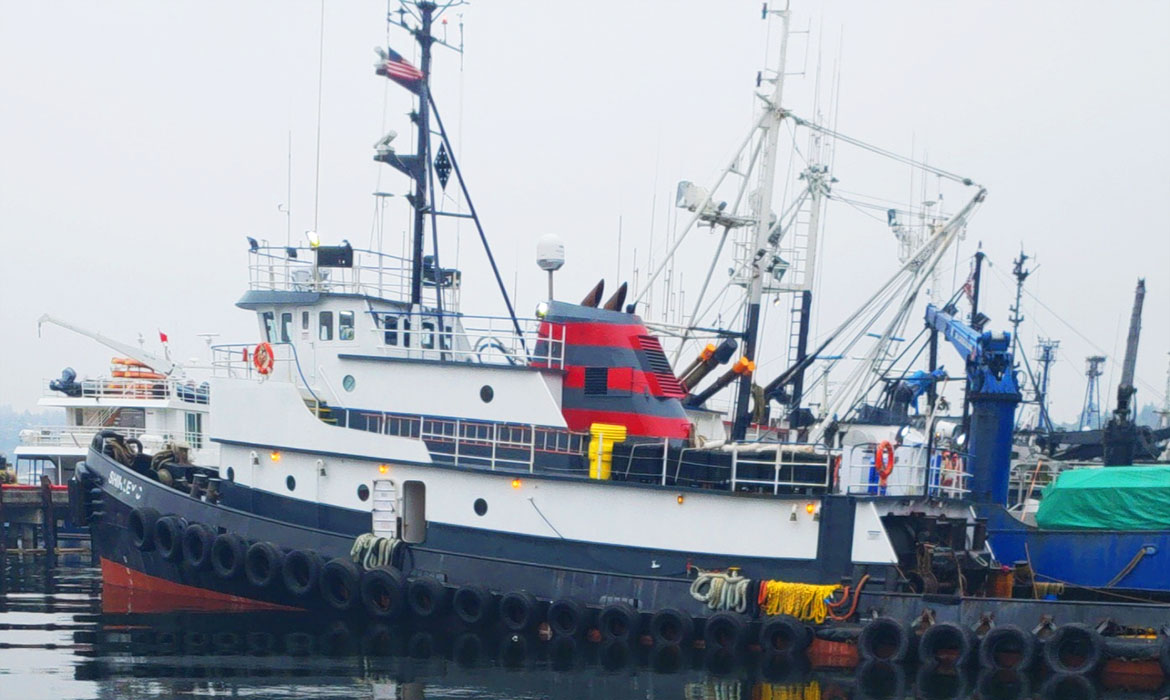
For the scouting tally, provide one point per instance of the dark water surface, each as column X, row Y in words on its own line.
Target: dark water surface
column 56, row 642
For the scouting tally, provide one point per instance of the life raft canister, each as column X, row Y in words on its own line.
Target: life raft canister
column 263, row 358
column 883, row 461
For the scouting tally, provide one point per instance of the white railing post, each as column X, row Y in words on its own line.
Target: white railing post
column 495, row 441
column 665, row 458
column 734, row 467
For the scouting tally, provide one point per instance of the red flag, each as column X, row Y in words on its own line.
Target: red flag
column 162, row 337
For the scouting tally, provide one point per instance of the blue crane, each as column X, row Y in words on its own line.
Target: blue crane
column 993, row 391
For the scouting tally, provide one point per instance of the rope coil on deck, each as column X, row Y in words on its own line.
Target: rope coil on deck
column 721, row 590
column 372, row 551
column 804, row 601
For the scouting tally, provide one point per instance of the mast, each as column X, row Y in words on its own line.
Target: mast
column 422, row 121
column 1120, row 438
column 770, row 125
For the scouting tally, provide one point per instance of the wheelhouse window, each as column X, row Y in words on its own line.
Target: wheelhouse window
column 286, row 321
column 345, row 325
column 194, row 426
column 269, row 326
column 390, row 329
column 325, row 325
column 304, row 320
column 428, row 335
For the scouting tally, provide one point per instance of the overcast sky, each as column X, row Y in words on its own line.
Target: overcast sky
column 140, row 142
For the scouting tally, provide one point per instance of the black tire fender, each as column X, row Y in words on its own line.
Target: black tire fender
column 946, row 644
column 197, row 542
column 473, row 604
column 567, row 617
column 1074, row 648
column 262, row 564
column 724, row 629
column 340, row 583
column 670, row 626
column 168, row 537
column 783, row 634
column 382, row 591
column 141, row 523
column 1007, row 647
column 227, row 555
column 884, row 639
column 300, row 572
column 426, row 597
column 519, row 611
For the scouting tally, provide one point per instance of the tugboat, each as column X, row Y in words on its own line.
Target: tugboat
column 385, row 454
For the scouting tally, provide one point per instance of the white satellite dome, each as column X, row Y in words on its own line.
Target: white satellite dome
column 550, row 252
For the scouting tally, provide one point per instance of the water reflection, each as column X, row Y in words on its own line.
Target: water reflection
column 57, row 642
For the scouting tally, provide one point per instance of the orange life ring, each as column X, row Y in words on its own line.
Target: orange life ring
column 263, row 358
column 884, row 467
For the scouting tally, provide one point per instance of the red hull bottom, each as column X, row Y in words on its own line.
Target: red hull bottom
column 125, row 590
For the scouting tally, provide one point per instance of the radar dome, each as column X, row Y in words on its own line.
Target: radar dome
column 550, row 252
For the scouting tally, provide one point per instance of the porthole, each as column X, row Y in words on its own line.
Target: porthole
column 487, row 393
column 291, row 483
column 480, row 506
column 231, row 474
column 348, row 382
column 363, row 493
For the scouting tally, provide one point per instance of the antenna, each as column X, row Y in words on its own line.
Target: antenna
column 1091, row 412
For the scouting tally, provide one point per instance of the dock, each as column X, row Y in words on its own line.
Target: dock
column 31, row 518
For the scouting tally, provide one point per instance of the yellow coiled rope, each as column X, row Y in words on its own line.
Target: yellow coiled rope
column 804, row 601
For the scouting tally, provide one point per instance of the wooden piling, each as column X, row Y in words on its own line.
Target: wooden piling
column 49, row 518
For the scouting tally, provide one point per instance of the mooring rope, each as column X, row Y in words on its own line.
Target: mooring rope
column 721, row 590
column 372, row 551
column 804, row 601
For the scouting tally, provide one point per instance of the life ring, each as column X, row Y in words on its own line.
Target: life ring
column 263, row 358
column 883, row 466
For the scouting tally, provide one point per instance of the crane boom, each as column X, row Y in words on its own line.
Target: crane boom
column 156, row 363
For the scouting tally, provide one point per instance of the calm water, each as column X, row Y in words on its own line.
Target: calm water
column 56, row 642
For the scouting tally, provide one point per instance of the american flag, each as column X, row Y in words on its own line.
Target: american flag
column 398, row 69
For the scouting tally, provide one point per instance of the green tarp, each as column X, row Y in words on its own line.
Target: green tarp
column 1109, row 498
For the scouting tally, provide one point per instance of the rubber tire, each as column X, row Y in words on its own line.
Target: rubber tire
column 141, row 523
column 300, row 572
column 340, row 583
column 941, row 636
column 472, row 604
column 1164, row 655
column 383, row 593
column 262, row 564
column 228, row 545
column 197, row 541
column 567, row 617
column 670, row 626
column 884, row 630
column 1010, row 637
column 783, row 634
column 168, row 537
column 725, row 630
column 618, row 621
column 1070, row 633
column 426, row 597
column 519, row 611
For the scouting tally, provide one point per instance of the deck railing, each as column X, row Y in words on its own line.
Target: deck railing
column 118, row 388
column 277, row 268
column 71, row 435
column 461, row 338
column 939, row 474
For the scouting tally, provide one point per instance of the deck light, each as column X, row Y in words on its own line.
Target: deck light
column 810, row 508
column 314, row 239
column 382, row 468
column 274, row 456
column 515, row 483
column 680, row 499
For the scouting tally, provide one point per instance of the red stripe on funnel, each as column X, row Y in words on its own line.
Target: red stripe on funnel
column 580, row 419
